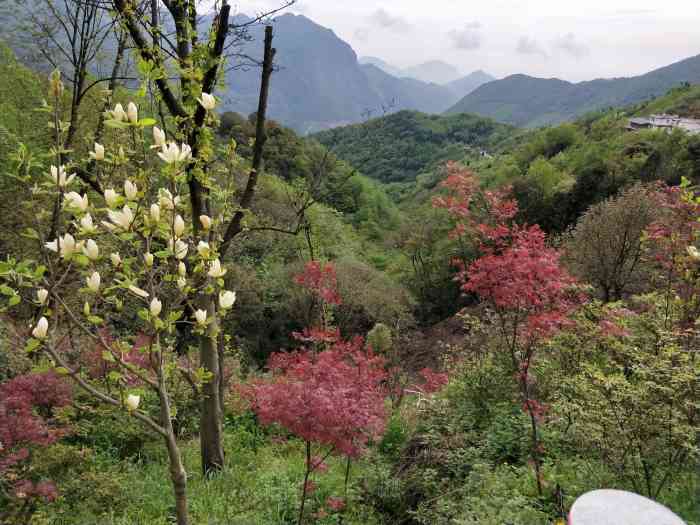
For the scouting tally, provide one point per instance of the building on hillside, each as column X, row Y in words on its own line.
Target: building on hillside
column 665, row 122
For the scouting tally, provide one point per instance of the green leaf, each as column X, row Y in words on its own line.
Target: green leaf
column 145, row 122
column 14, row 300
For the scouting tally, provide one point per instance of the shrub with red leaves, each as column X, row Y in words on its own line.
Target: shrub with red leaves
column 27, row 403
column 320, row 279
column 332, row 398
column 518, row 276
column 432, row 381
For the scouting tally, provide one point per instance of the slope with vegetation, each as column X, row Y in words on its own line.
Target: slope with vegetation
column 550, row 355
column 398, row 148
column 522, row 100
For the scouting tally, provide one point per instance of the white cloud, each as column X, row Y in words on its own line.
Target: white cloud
column 569, row 43
column 468, row 38
column 529, row 46
column 382, row 18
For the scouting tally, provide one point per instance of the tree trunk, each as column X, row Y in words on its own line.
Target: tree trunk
column 210, row 433
column 178, row 475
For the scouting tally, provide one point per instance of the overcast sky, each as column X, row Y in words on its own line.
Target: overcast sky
column 549, row 38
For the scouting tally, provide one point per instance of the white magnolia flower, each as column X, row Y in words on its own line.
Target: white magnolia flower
column 201, row 317
column 167, row 200
column 130, row 190
column 116, row 259
column 75, row 200
column 179, row 248
column 132, row 402
column 41, row 328
column 148, row 259
column 181, row 283
column 694, row 252
column 87, row 224
column 132, row 113
column 203, row 249
column 123, row 218
column 215, row 269
column 155, row 307
column 173, row 153
column 205, row 220
column 111, row 197
column 181, row 269
column 178, row 226
column 138, row 291
column 91, row 250
column 227, row 299
column 155, row 213
column 64, row 245
column 99, row 153
column 119, row 114
column 158, row 137
column 93, row 282
column 207, row 101
column 42, row 295
column 58, row 176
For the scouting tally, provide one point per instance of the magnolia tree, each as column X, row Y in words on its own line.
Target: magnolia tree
column 129, row 256
column 519, row 277
column 330, row 393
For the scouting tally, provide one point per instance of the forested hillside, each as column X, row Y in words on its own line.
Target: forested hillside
column 209, row 317
column 397, row 148
column 522, row 100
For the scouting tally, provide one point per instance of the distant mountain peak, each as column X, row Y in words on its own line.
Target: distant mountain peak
column 529, row 101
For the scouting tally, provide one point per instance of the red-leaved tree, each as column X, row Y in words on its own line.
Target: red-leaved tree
column 27, row 405
column 330, row 392
column 519, row 277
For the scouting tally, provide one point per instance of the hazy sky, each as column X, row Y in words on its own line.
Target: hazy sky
column 562, row 38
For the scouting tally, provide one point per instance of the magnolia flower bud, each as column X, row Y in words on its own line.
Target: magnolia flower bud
column 155, row 307
column 67, row 245
column 181, row 269
column 179, row 248
column 55, row 85
column 119, row 114
column 132, row 402
column 181, row 283
column 116, row 259
column 132, row 113
column 205, row 220
column 158, row 137
column 42, row 295
column 111, row 197
column 130, row 190
column 207, row 101
column 138, row 291
column 148, row 259
column 99, row 153
column 93, row 282
column 203, row 249
column 201, row 317
column 694, row 252
column 215, row 269
column 87, row 224
column 227, row 299
column 178, row 226
column 41, row 328
column 155, row 212
column 91, row 250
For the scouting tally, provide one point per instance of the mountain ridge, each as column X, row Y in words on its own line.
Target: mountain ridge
column 523, row 100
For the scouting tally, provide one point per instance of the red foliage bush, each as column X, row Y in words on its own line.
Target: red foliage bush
column 334, row 397
column 320, row 279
